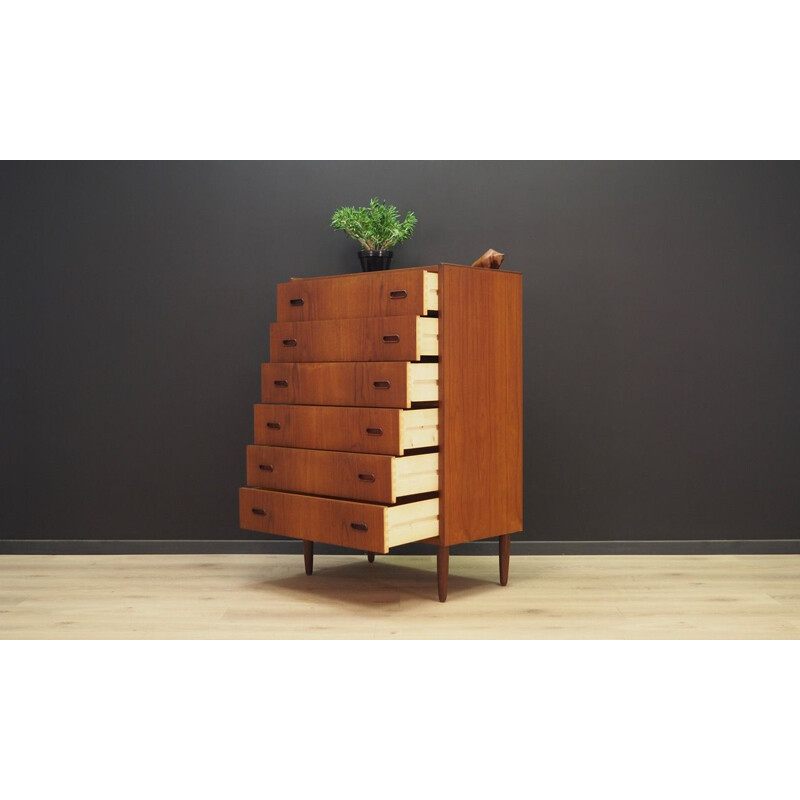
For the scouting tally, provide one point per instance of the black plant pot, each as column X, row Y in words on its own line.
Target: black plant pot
column 372, row 260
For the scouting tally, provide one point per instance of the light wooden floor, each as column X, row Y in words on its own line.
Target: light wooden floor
column 270, row 597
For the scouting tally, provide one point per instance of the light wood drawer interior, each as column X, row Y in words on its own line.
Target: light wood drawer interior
column 357, row 476
column 419, row 427
column 431, row 290
column 423, row 383
column 412, row 522
column 416, row 474
column 364, row 526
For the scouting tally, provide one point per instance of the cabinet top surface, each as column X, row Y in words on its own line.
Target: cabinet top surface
column 431, row 268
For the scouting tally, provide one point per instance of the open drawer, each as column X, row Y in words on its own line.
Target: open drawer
column 363, row 526
column 379, row 384
column 358, row 430
column 357, row 476
column 413, row 291
column 370, row 339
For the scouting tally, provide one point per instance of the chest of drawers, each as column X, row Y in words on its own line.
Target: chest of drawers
column 391, row 412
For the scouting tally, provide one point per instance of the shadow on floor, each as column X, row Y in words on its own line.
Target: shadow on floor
column 389, row 580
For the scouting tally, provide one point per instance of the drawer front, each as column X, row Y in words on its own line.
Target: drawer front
column 321, row 519
column 389, row 431
column 356, row 476
column 379, row 384
column 358, row 430
column 373, row 339
column 363, row 526
column 411, row 292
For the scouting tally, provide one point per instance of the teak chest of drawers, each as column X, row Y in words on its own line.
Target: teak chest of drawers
column 391, row 413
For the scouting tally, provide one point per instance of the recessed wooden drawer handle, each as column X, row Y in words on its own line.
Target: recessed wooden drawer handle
column 259, row 511
column 374, row 431
column 359, row 526
column 381, row 384
column 290, row 342
column 282, row 384
column 267, row 467
column 276, row 426
column 297, row 301
column 391, row 338
column 366, row 476
column 400, row 294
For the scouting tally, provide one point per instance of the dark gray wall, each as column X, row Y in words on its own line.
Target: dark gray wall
column 662, row 334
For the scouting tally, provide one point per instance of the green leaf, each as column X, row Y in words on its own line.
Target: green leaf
column 376, row 226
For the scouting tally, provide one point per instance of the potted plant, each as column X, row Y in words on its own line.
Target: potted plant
column 376, row 227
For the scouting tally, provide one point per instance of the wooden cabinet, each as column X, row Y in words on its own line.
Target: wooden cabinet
column 391, row 412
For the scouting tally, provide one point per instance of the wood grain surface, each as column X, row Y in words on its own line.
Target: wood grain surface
column 354, row 476
column 321, row 519
column 357, row 476
column 374, row 339
column 370, row 294
column 480, row 403
column 379, row 384
column 360, row 430
column 271, row 597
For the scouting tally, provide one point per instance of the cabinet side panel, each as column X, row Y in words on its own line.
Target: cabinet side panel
column 480, row 334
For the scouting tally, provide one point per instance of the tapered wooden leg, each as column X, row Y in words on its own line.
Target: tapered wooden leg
column 442, row 569
column 505, row 556
column 308, row 555
column 370, row 557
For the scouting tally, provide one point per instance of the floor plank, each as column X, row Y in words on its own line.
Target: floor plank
column 271, row 597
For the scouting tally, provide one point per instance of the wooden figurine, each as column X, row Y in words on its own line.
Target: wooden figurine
column 491, row 259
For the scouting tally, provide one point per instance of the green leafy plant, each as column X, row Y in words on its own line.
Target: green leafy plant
column 376, row 226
